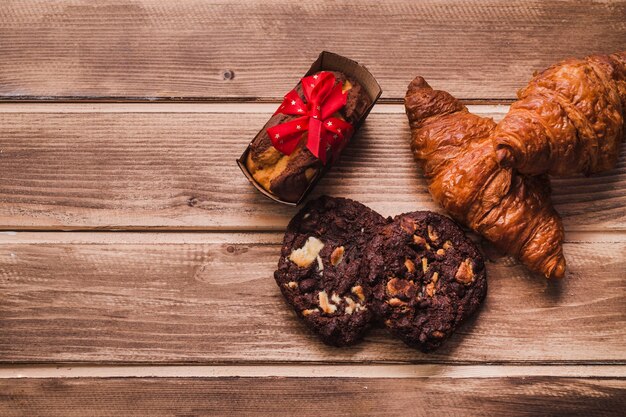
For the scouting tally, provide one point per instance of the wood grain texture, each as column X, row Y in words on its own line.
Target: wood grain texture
column 201, row 310
column 191, row 49
column 307, row 396
column 177, row 171
column 210, row 298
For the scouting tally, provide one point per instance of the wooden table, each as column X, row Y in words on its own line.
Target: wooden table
column 136, row 261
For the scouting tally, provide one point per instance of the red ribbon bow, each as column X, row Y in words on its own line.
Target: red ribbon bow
column 323, row 98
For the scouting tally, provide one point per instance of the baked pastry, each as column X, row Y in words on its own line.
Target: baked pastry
column 569, row 119
column 458, row 158
column 426, row 277
column 288, row 176
column 319, row 266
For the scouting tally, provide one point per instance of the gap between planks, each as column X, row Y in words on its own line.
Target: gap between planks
column 212, row 236
column 17, row 107
column 315, row 371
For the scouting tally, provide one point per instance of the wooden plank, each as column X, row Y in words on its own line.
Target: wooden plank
column 171, row 170
column 210, row 298
column 324, row 396
column 190, row 49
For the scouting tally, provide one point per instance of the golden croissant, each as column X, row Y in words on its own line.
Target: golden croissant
column 568, row 120
column 492, row 178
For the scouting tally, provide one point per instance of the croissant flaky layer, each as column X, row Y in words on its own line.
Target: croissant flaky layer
column 570, row 119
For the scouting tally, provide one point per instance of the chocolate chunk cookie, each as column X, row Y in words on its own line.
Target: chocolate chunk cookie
column 426, row 277
column 318, row 271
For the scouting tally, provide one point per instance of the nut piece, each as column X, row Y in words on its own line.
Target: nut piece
column 432, row 234
column 424, row 265
column 397, row 286
column 408, row 225
column 465, row 273
column 441, row 252
column 311, row 311
column 337, row 256
column 292, row 284
column 320, row 264
column 430, row 289
column 396, row 302
column 358, row 291
column 325, row 305
column 335, row 299
column 305, row 256
column 410, row 266
column 438, row 334
column 435, row 277
column 351, row 305
column 420, row 241
column 447, row 245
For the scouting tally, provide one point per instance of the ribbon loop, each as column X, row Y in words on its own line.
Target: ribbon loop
column 323, row 99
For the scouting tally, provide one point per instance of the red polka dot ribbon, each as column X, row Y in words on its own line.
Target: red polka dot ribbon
column 323, row 99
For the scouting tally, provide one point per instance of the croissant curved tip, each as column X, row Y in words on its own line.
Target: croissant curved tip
column 558, row 271
column 417, row 83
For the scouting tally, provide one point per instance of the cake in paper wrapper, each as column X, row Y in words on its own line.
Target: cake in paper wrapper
column 310, row 128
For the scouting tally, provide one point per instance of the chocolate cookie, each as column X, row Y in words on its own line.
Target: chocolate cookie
column 426, row 277
column 318, row 271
